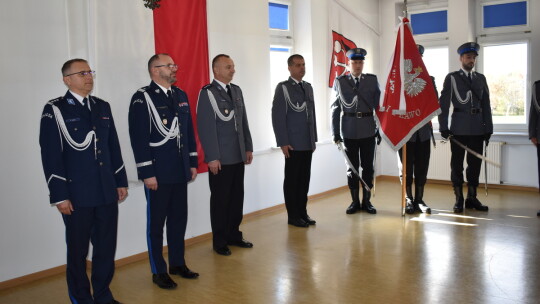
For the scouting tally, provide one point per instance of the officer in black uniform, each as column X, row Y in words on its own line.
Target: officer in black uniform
column 472, row 124
column 534, row 123
column 418, row 153
column 295, row 128
column 86, row 177
column 226, row 141
column 357, row 96
column 164, row 147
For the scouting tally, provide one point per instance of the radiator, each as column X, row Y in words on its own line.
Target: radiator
column 439, row 163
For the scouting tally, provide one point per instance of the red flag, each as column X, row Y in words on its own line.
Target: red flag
column 409, row 100
column 180, row 30
column 338, row 64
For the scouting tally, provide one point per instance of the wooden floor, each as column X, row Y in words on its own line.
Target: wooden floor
column 477, row 257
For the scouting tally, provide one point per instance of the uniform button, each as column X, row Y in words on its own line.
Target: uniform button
column 176, row 113
column 101, row 163
column 181, row 146
column 94, row 127
column 99, row 151
column 97, row 139
column 75, row 129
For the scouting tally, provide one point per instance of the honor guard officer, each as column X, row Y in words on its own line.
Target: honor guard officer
column 472, row 124
column 295, row 128
column 357, row 96
column 226, row 141
column 164, row 147
column 534, row 123
column 418, row 153
column 86, row 177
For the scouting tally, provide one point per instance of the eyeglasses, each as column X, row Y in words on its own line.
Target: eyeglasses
column 170, row 66
column 83, row 74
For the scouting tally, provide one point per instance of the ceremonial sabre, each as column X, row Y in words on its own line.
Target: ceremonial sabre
column 473, row 152
column 485, row 168
column 375, row 169
column 348, row 161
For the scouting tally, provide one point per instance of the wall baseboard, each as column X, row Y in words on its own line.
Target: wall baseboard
column 144, row 255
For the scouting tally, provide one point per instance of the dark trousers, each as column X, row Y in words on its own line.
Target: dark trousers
column 538, row 162
column 296, row 183
column 168, row 204
column 226, row 203
column 360, row 152
column 418, row 154
column 474, row 142
column 99, row 226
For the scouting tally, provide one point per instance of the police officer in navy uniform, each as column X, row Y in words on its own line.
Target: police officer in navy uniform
column 357, row 96
column 472, row 123
column 418, row 153
column 534, row 123
column 165, row 153
column 226, row 140
column 295, row 128
column 86, row 177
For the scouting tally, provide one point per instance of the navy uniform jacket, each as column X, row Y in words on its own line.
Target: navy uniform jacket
column 294, row 125
column 170, row 162
column 90, row 177
column 426, row 131
column 463, row 122
column 367, row 100
column 228, row 139
column 534, row 122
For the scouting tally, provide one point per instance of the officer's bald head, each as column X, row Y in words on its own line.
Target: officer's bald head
column 153, row 60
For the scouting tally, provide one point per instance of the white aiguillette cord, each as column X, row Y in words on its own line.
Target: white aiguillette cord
column 72, row 143
column 162, row 129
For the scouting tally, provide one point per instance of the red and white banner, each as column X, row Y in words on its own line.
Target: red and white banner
column 409, row 99
column 180, row 30
column 338, row 65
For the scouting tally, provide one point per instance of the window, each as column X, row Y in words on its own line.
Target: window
column 281, row 40
column 430, row 22
column 278, row 16
column 505, row 14
column 507, row 82
column 436, row 67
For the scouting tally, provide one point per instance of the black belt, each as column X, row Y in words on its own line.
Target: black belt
column 470, row 111
column 358, row 114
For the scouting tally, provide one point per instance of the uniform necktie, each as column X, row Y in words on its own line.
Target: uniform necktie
column 356, row 82
column 229, row 91
column 469, row 75
column 169, row 94
column 302, row 87
column 170, row 102
column 85, row 103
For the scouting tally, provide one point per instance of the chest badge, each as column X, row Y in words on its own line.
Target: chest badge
column 226, row 111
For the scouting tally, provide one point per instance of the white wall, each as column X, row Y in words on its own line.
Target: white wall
column 117, row 38
column 519, row 158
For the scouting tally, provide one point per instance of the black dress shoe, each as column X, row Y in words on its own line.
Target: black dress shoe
column 223, row 250
column 298, row 223
column 183, row 271
column 242, row 243
column 474, row 203
column 368, row 207
column 163, row 280
column 353, row 207
column 309, row 220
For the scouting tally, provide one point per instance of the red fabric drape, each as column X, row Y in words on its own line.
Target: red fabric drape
column 180, row 30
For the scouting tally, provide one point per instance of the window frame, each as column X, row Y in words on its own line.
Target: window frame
column 432, row 6
column 501, row 29
column 282, row 38
column 493, row 40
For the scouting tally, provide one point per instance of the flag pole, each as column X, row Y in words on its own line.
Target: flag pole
column 403, row 178
column 404, row 149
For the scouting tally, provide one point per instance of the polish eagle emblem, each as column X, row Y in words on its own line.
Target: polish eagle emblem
column 413, row 84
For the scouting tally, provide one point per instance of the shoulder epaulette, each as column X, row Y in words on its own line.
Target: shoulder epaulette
column 455, row 72
column 370, row 75
column 206, row 87
column 143, row 89
column 97, row 99
column 284, row 82
column 342, row 76
column 538, row 81
column 307, row 82
column 54, row 101
column 233, row 85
